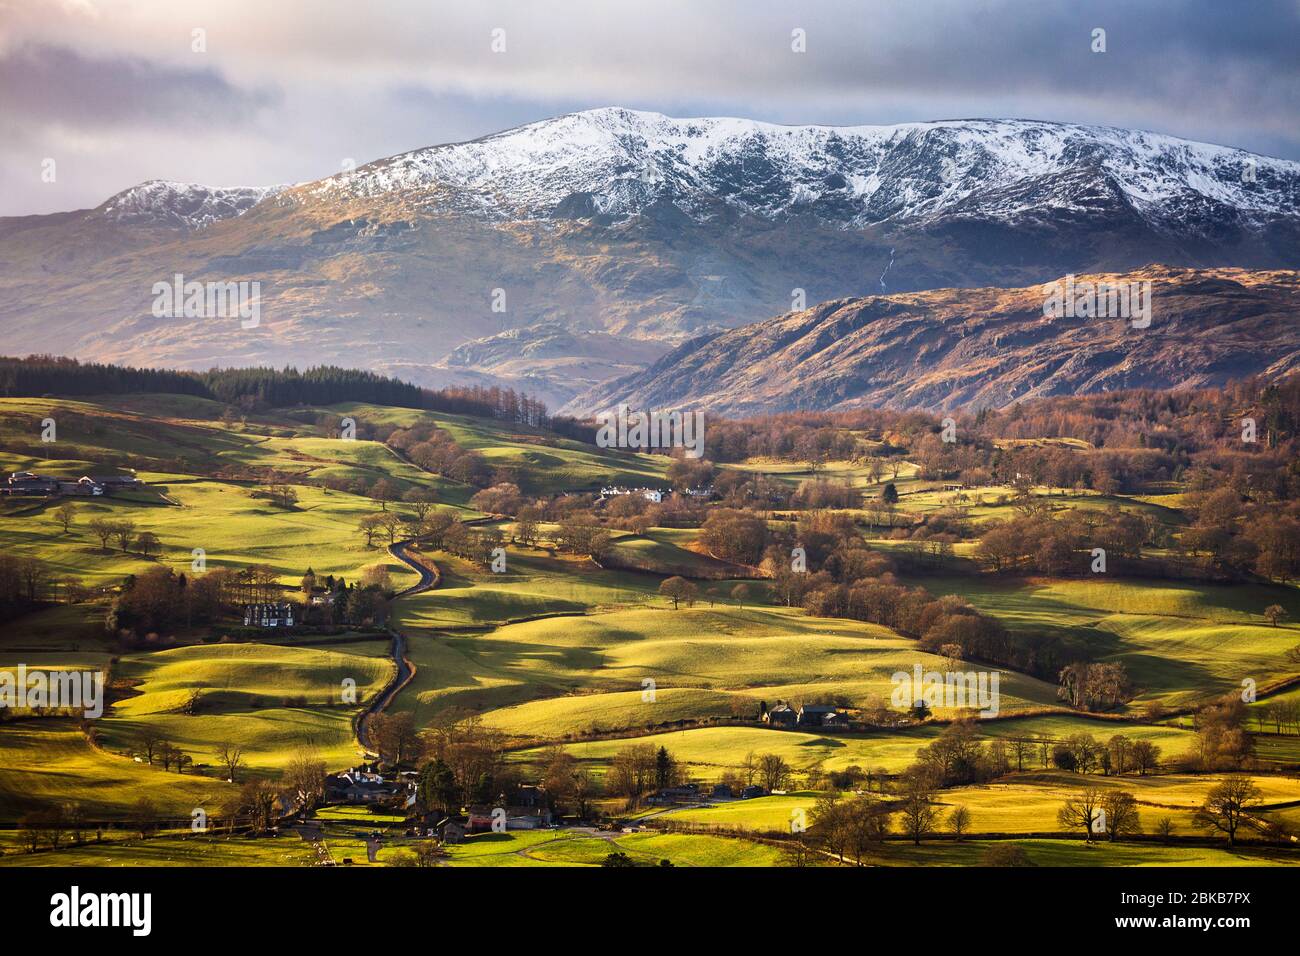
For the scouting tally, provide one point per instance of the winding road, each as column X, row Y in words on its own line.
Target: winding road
column 429, row 578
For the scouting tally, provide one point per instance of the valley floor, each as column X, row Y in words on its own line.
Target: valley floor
column 558, row 651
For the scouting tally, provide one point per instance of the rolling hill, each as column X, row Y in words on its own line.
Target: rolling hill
column 953, row 349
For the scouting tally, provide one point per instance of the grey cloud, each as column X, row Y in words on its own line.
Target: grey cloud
column 53, row 84
column 308, row 86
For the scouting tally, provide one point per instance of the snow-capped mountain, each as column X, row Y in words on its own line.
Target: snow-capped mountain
column 614, row 163
column 190, row 205
column 633, row 224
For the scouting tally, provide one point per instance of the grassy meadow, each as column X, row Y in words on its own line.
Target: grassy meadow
column 562, row 651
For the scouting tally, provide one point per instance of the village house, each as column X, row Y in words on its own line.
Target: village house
column 269, row 615
column 26, row 483
column 527, row 818
column 85, row 485
column 649, row 494
column 782, row 715
column 449, row 830
column 528, row 809
column 113, row 483
column 479, row 818
column 817, row 715
column 686, row 793
column 359, row 785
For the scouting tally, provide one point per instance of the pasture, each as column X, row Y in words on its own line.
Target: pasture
column 593, row 668
column 273, row 701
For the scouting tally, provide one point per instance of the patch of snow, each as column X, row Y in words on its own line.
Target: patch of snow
column 193, row 206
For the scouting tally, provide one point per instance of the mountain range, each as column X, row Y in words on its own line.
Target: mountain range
column 574, row 250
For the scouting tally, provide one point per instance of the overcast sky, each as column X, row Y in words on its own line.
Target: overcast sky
column 115, row 93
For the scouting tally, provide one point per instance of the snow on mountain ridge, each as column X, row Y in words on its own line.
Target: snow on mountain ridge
column 615, row 163
column 192, row 205
column 619, row 161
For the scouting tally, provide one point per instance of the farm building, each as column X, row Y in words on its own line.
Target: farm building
column 449, row 830
column 26, row 483
column 782, row 715
column 359, row 785
column 269, row 615
column 649, row 494
column 116, row 482
column 527, row 811
column 82, row 486
column 816, row 715
column 686, row 793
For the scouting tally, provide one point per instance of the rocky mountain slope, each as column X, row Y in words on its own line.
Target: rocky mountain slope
column 950, row 349
column 631, row 224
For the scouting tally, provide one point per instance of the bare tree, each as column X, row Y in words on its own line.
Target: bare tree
column 749, row 767
column 102, row 528
column 256, row 803
column 773, row 771
column 679, row 589
column 1121, row 811
column 421, row 501
column 918, row 811
column 230, row 756
column 1227, row 804
column 147, row 543
column 148, row 741
column 1022, row 750
column 145, row 817
column 959, row 821
column 1145, row 756
column 305, row 777
column 124, row 531
column 65, row 515
column 383, row 491
column 394, row 736
column 371, row 526
column 1081, row 811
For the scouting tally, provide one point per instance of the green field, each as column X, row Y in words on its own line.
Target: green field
column 1179, row 642
column 49, row 760
column 1022, row 803
column 1079, row 853
column 233, row 528
column 552, row 464
column 710, row 751
column 709, row 660
column 189, row 851
column 560, row 650
column 544, row 848
column 249, row 696
column 666, row 551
